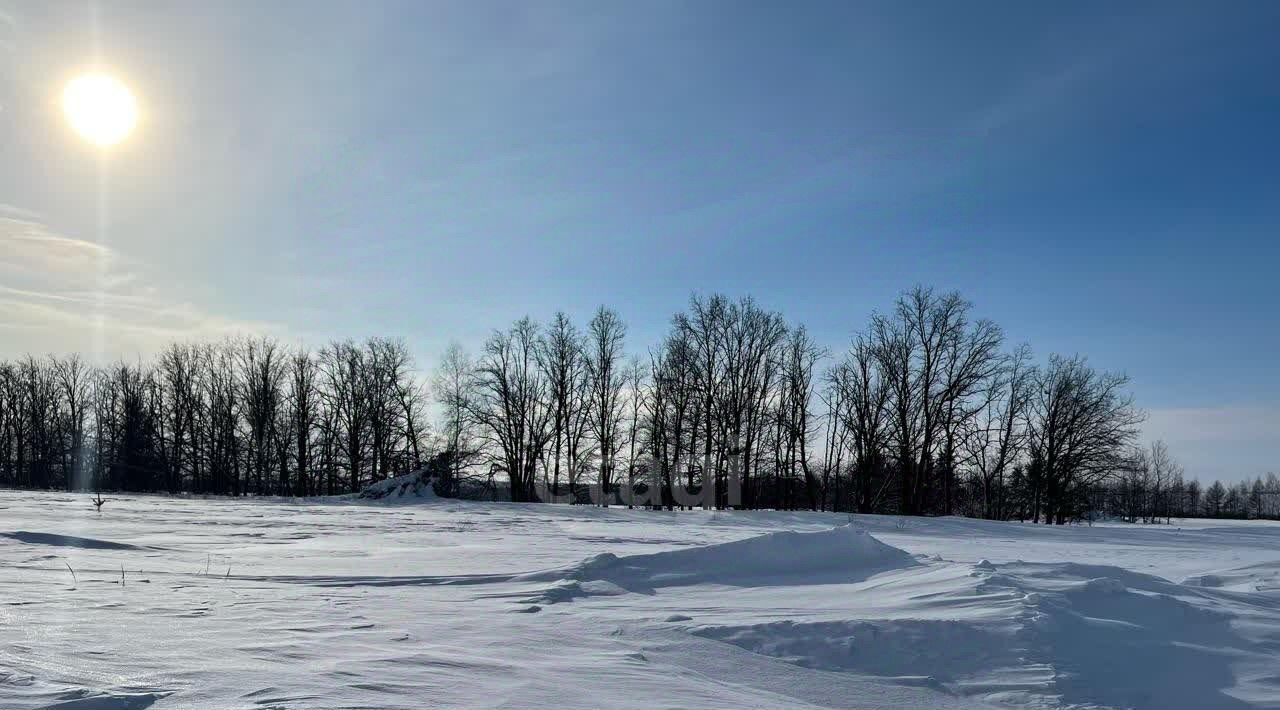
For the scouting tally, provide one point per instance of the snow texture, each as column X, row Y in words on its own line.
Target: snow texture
column 409, row 601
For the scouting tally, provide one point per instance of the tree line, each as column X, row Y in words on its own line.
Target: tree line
column 244, row 416
column 1153, row 489
column 929, row 410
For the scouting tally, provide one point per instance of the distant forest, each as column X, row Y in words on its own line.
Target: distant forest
column 928, row 411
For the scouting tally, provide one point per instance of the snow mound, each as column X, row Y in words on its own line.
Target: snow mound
column 838, row 555
column 414, row 486
column 109, row 702
column 86, row 543
column 1263, row 577
column 573, row 589
column 1211, row 581
column 86, row 699
column 1106, row 585
column 1080, row 636
column 906, row 650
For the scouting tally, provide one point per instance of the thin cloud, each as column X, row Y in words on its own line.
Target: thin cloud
column 1039, row 97
column 67, row 294
column 1106, row 54
column 1199, row 436
column 7, row 22
column 1214, row 424
column 17, row 212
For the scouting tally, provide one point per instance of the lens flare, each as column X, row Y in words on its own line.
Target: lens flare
column 100, row 108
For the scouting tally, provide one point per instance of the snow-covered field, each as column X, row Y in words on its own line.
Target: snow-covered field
column 177, row 603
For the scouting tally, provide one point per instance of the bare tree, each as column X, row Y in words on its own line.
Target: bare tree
column 800, row 357
column 303, row 402
column 704, row 323
column 835, row 441
column 222, row 438
column 933, row 361
column 563, row 363
column 511, row 405
column 971, row 362
column 11, row 423
column 75, row 382
column 452, row 383
column 130, row 414
column 1164, row 471
column 262, row 370
column 667, row 414
column 348, row 396
column 864, row 412
column 178, row 372
column 605, row 377
column 393, row 428
column 995, row 439
column 1081, row 425
column 752, row 358
column 635, row 376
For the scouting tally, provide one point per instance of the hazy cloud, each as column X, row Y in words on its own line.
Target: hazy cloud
column 1036, row 98
column 63, row 294
column 7, row 24
column 17, row 212
column 1228, row 442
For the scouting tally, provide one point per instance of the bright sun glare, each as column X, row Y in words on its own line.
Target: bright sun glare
column 100, row 108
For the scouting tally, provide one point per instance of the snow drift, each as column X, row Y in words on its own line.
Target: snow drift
column 1262, row 577
column 413, row 486
column 836, row 556
column 1057, row 635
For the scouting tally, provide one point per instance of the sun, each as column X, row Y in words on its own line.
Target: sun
column 100, row 108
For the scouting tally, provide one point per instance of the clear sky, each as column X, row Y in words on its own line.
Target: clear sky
column 1098, row 177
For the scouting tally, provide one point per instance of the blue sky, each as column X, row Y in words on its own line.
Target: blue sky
column 1099, row 178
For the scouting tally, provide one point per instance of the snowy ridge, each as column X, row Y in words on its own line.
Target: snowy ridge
column 1064, row 635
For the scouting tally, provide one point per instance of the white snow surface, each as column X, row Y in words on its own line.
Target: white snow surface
column 414, row 601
